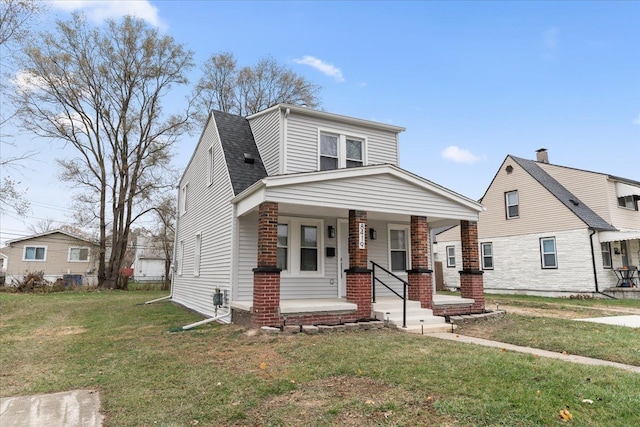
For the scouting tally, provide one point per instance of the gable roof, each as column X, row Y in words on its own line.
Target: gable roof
column 237, row 140
column 567, row 198
column 47, row 233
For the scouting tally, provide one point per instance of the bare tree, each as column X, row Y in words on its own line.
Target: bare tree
column 100, row 90
column 223, row 86
column 163, row 235
column 42, row 226
column 15, row 19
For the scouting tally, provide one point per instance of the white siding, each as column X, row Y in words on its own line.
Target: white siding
column 247, row 255
column 451, row 275
column 267, row 134
column 379, row 193
column 210, row 213
column 302, row 142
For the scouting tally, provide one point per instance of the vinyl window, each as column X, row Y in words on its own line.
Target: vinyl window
column 283, row 247
column 451, row 256
column 299, row 246
column 605, row 249
column 512, row 204
column 210, row 165
column 548, row 252
column 34, row 253
column 486, row 252
column 78, row 254
column 399, row 248
column 338, row 151
column 197, row 255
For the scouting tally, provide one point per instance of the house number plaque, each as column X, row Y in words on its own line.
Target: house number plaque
column 362, row 233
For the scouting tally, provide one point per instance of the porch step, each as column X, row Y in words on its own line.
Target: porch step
column 417, row 318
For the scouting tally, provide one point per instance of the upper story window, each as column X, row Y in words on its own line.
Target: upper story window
column 486, row 251
column 628, row 202
column 512, row 204
column 34, row 253
column 340, row 151
column 183, row 198
column 399, row 248
column 548, row 252
column 78, row 254
column 210, row 165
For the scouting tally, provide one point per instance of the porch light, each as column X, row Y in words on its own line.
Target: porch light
column 331, row 232
column 372, row 234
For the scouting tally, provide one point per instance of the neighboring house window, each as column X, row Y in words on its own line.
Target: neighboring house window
column 340, row 151
column 210, row 165
column 451, row 256
column 299, row 244
column 398, row 248
column 487, row 255
column 548, row 252
column 605, row 248
column 512, row 204
column 627, row 202
column 183, row 198
column 79, row 254
column 35, row 253
column 283, row 247
column 198, row 248
column 181, row 256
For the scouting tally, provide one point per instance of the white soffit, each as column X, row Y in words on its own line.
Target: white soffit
column 614, row 236
column 623, row 190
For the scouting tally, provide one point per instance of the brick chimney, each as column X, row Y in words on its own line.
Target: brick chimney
column 542, row 156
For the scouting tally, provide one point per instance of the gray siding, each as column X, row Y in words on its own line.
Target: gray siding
column 267, row 134
column 210, row 213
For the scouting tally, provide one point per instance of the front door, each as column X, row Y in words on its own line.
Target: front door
column 343, row 256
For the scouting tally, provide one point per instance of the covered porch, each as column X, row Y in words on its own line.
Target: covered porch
column 315, row 237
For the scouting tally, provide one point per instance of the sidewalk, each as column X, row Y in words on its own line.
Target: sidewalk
column 542, row 353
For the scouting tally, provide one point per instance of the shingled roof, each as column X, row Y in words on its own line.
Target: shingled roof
column 237, row 142
column 566, row 197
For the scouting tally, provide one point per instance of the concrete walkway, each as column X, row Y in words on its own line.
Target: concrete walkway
column 76, row 408
column 542, row 353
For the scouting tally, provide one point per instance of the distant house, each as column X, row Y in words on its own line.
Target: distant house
column 552, row 230
column 57, row 253
column 149, row 261
column 286, row 211
column 3, row 261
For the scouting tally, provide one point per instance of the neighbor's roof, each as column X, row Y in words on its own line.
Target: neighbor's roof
column 566, row 197
column 237, row 139
column 47, row 233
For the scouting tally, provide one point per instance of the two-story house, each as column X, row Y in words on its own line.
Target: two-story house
column 552, row 230
column 285, row 212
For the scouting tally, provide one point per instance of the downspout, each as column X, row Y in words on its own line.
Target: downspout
column 593, row 262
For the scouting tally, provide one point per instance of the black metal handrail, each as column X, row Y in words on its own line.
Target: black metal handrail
column 405, row 285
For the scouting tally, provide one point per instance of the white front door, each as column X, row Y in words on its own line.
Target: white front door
column 343, row 256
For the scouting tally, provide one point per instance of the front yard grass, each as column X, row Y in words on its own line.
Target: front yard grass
column 221, row 376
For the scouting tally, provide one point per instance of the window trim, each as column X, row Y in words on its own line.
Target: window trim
column 483, row 256
column 634, row 203
column 507, row 205
column 407, row 233
column 446, row 251
column 342, row 146
column 210, row 165
column 542, row 253
column 24, row 253
column 197, row 254
column 294, row 252
column 184, row 193
column 608, row 251
column 80, row 248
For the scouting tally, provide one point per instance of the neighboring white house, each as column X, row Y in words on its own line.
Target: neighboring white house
column 284, row 212
column 552, row 230
column 149, row 261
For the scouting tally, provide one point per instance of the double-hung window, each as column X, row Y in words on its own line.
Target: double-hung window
column 210, row 166
column 340, row 151
column 399, row 248
column 512, row 204
column 486, row 250
column 34, row 253
column 183, row 198
column 451, row 256
column 605, row 248
column 548, row 252
column 197, row 255
column 299, row 246
column 78, row 254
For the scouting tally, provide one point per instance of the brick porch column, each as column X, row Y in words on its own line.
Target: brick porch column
column 471, row 283
column 358, row 274
column 420, row 285
column 266, row 277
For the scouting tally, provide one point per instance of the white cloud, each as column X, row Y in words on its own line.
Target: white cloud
column 99, row 10
column 323, row 67
column 637, row 120
column 459, row 155
column 550, row 37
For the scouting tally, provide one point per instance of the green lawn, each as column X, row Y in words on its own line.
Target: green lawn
column 220, row 375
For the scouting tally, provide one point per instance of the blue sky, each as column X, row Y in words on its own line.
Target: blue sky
column 470, row 81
